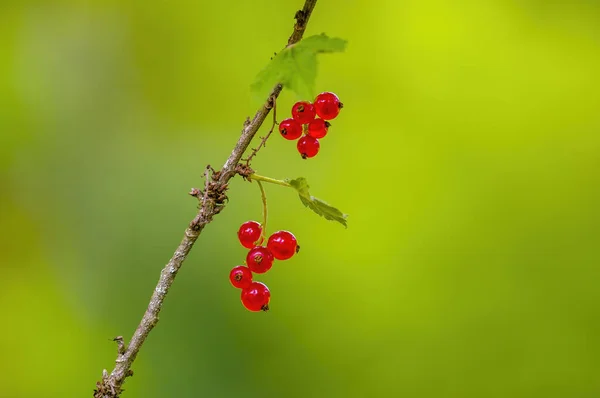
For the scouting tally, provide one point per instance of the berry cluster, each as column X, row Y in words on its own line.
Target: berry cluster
column 281, row 246
column 326, row 106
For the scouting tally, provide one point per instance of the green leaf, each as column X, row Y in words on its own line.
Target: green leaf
column 317, row 205
column 322, row 44
column 296, row 66
column 299, row 184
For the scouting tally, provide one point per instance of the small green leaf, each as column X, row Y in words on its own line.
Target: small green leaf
column 322, row 44
column 317, row 205
column 300, row 185
column 296, row 66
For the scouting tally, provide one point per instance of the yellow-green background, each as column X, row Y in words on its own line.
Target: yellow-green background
column 467, row 155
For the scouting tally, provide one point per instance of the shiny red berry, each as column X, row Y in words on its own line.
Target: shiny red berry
column 318, row 128
column 249, row 233
column 240, row 277
column 259, row 259
column 290, row 129
column 256, row 297
column 283, row 245
column 308, row 146
column 327, row 105
column 303, row 112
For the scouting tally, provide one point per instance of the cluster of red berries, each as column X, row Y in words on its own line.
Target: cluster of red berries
column 326, row 106
column 281, row 246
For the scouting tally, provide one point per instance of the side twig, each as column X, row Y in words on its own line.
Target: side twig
column 264, row 139
column 213, row 199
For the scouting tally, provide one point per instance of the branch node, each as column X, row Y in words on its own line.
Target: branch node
column 300, row 19
column 197, row 193
column 120, row 345
column 244, row 170
column 194, row 226
column 270, row 102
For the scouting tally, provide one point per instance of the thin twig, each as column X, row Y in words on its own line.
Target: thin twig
column 213, row 201
column 263, row 142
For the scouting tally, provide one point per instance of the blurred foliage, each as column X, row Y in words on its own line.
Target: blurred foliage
column 467, row 156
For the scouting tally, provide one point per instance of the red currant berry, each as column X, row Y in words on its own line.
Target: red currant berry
column 256, row 297
column 327, row 105
column 240, row 277
column 303, row 112
column 282, row 244
column 259, row 259
column 290, row 129
column 308, row 146
column 249, row 233
column 318, row 128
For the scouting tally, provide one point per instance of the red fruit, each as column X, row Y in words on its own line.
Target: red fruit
column 308, row 146
column 249, row 233
column 283, row 245
column 240, row 277
column 303, row 112
column 327, row 105
column 256, row 297
column 290, row 129
column 318, row 128
column 259, row 259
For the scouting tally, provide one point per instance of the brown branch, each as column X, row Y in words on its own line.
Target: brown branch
column 212, row 202
column 302, row 17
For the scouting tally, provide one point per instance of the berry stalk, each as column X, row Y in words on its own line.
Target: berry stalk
column 258, row 178
column 263, row 196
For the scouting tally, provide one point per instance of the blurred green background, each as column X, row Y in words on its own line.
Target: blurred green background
column 467, row 155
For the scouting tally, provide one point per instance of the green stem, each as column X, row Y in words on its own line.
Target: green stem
column 259, row 178
column 264, row 201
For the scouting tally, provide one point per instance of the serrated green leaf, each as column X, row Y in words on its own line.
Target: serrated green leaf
column 317, row 205
column 296, row 66
column 325, row 210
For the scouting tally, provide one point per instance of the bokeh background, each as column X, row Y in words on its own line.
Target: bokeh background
column 467, row 155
